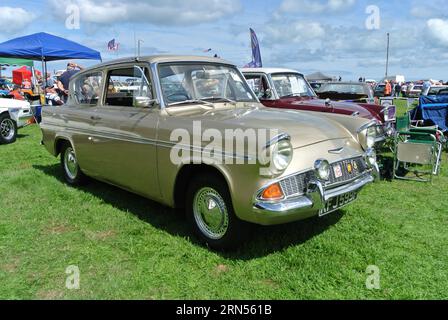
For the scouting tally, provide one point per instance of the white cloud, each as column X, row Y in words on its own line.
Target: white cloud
column 161, row 12
column 438, row 30
column 295, row 32
column 315, row 6
column 14, row 19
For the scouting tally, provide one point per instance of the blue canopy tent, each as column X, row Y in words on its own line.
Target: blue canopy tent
column 433, row 110
column 45, row 47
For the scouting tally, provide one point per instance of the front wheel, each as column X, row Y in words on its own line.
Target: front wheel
column 8, row 129
column 69, row 163
column 210, row 213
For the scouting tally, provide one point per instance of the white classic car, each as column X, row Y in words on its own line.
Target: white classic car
column 14, row 114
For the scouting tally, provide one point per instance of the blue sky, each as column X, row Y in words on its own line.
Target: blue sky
column 307, row 35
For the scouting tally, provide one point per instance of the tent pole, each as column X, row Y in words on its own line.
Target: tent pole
column 45, row 74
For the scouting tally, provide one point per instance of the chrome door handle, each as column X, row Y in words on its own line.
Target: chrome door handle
column 91, row 139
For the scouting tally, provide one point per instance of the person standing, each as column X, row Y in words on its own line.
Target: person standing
column 64, row 79
column 397, row 89
column 387, row 89
column 426, row 87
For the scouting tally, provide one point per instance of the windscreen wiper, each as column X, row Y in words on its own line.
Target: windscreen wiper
column 196, row 101
column 219, row 99
column 294, row 95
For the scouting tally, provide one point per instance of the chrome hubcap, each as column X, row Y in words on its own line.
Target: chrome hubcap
column 7, row 129
column 210, row 213
column 70, row 163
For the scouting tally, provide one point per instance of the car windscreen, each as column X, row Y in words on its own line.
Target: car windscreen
column 203, row 82
column 291, row 84
column 344, row 88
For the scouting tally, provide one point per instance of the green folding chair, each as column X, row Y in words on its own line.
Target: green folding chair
column 416, row 147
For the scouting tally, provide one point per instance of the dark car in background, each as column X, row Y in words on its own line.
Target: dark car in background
column 438, row 91
column 346, row 91
column 378, row 92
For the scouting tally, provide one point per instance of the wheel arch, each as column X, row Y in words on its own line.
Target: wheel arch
column 188, row 171
column 59, row 141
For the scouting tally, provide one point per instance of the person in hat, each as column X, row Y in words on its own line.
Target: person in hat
column 64, row 79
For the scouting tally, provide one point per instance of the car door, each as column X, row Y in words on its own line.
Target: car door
column 126, row 131
column 78, row 116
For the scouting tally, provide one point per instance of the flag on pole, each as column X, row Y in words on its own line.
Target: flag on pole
column 256, row 54
column 112, row 45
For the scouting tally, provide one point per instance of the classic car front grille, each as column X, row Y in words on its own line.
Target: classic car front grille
column 297, row 185
column 357, row 165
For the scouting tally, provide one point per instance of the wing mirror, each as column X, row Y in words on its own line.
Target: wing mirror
column 144, row 102
column 328, row 103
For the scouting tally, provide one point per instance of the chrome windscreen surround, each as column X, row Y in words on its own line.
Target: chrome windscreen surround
column 350, row 169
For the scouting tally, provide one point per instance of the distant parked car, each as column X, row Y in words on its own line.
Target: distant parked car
column 378, row 92
column 288, row 89
column 316, row 85
column 14, row 114
column 347, row 91
column 414, row 90
column 438, row 90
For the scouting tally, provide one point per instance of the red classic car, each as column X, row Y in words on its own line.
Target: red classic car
column 283, row 88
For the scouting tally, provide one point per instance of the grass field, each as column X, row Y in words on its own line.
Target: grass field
column 129, row 247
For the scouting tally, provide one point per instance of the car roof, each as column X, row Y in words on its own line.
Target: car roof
column 159, row 59
column 346, row 83
column 269, row 70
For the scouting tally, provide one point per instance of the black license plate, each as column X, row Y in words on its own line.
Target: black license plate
column 338, row 202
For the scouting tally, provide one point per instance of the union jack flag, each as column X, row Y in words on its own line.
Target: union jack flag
column 112, row 45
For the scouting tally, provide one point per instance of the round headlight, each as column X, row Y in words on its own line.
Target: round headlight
column 386, row 114
column 282, row 155
column 370, row 156
column 370, row 137
column 322, row 168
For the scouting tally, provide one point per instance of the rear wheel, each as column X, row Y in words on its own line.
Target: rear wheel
column 210, row 213
column 8, row 129
column 69, row 163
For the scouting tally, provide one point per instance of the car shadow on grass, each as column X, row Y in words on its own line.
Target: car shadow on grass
column 262, row 241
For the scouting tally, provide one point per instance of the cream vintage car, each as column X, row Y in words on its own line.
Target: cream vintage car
column 193, row 135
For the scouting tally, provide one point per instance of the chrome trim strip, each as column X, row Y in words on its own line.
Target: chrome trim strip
column 277, row 138
column 152, row 142
column 287, row 205
column 366, row 126
column 157, row 85
column 357, row 184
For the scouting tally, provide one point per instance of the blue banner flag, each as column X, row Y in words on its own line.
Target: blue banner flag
column 256, row 55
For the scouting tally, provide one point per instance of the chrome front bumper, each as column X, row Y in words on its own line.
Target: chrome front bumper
column 305, row 206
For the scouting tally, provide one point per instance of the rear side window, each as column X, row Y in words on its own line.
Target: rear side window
column 87, row 88
column 128, row 85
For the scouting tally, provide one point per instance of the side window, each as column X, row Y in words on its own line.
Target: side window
column 258, row 84
column 127, row 86
column 87, row 88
